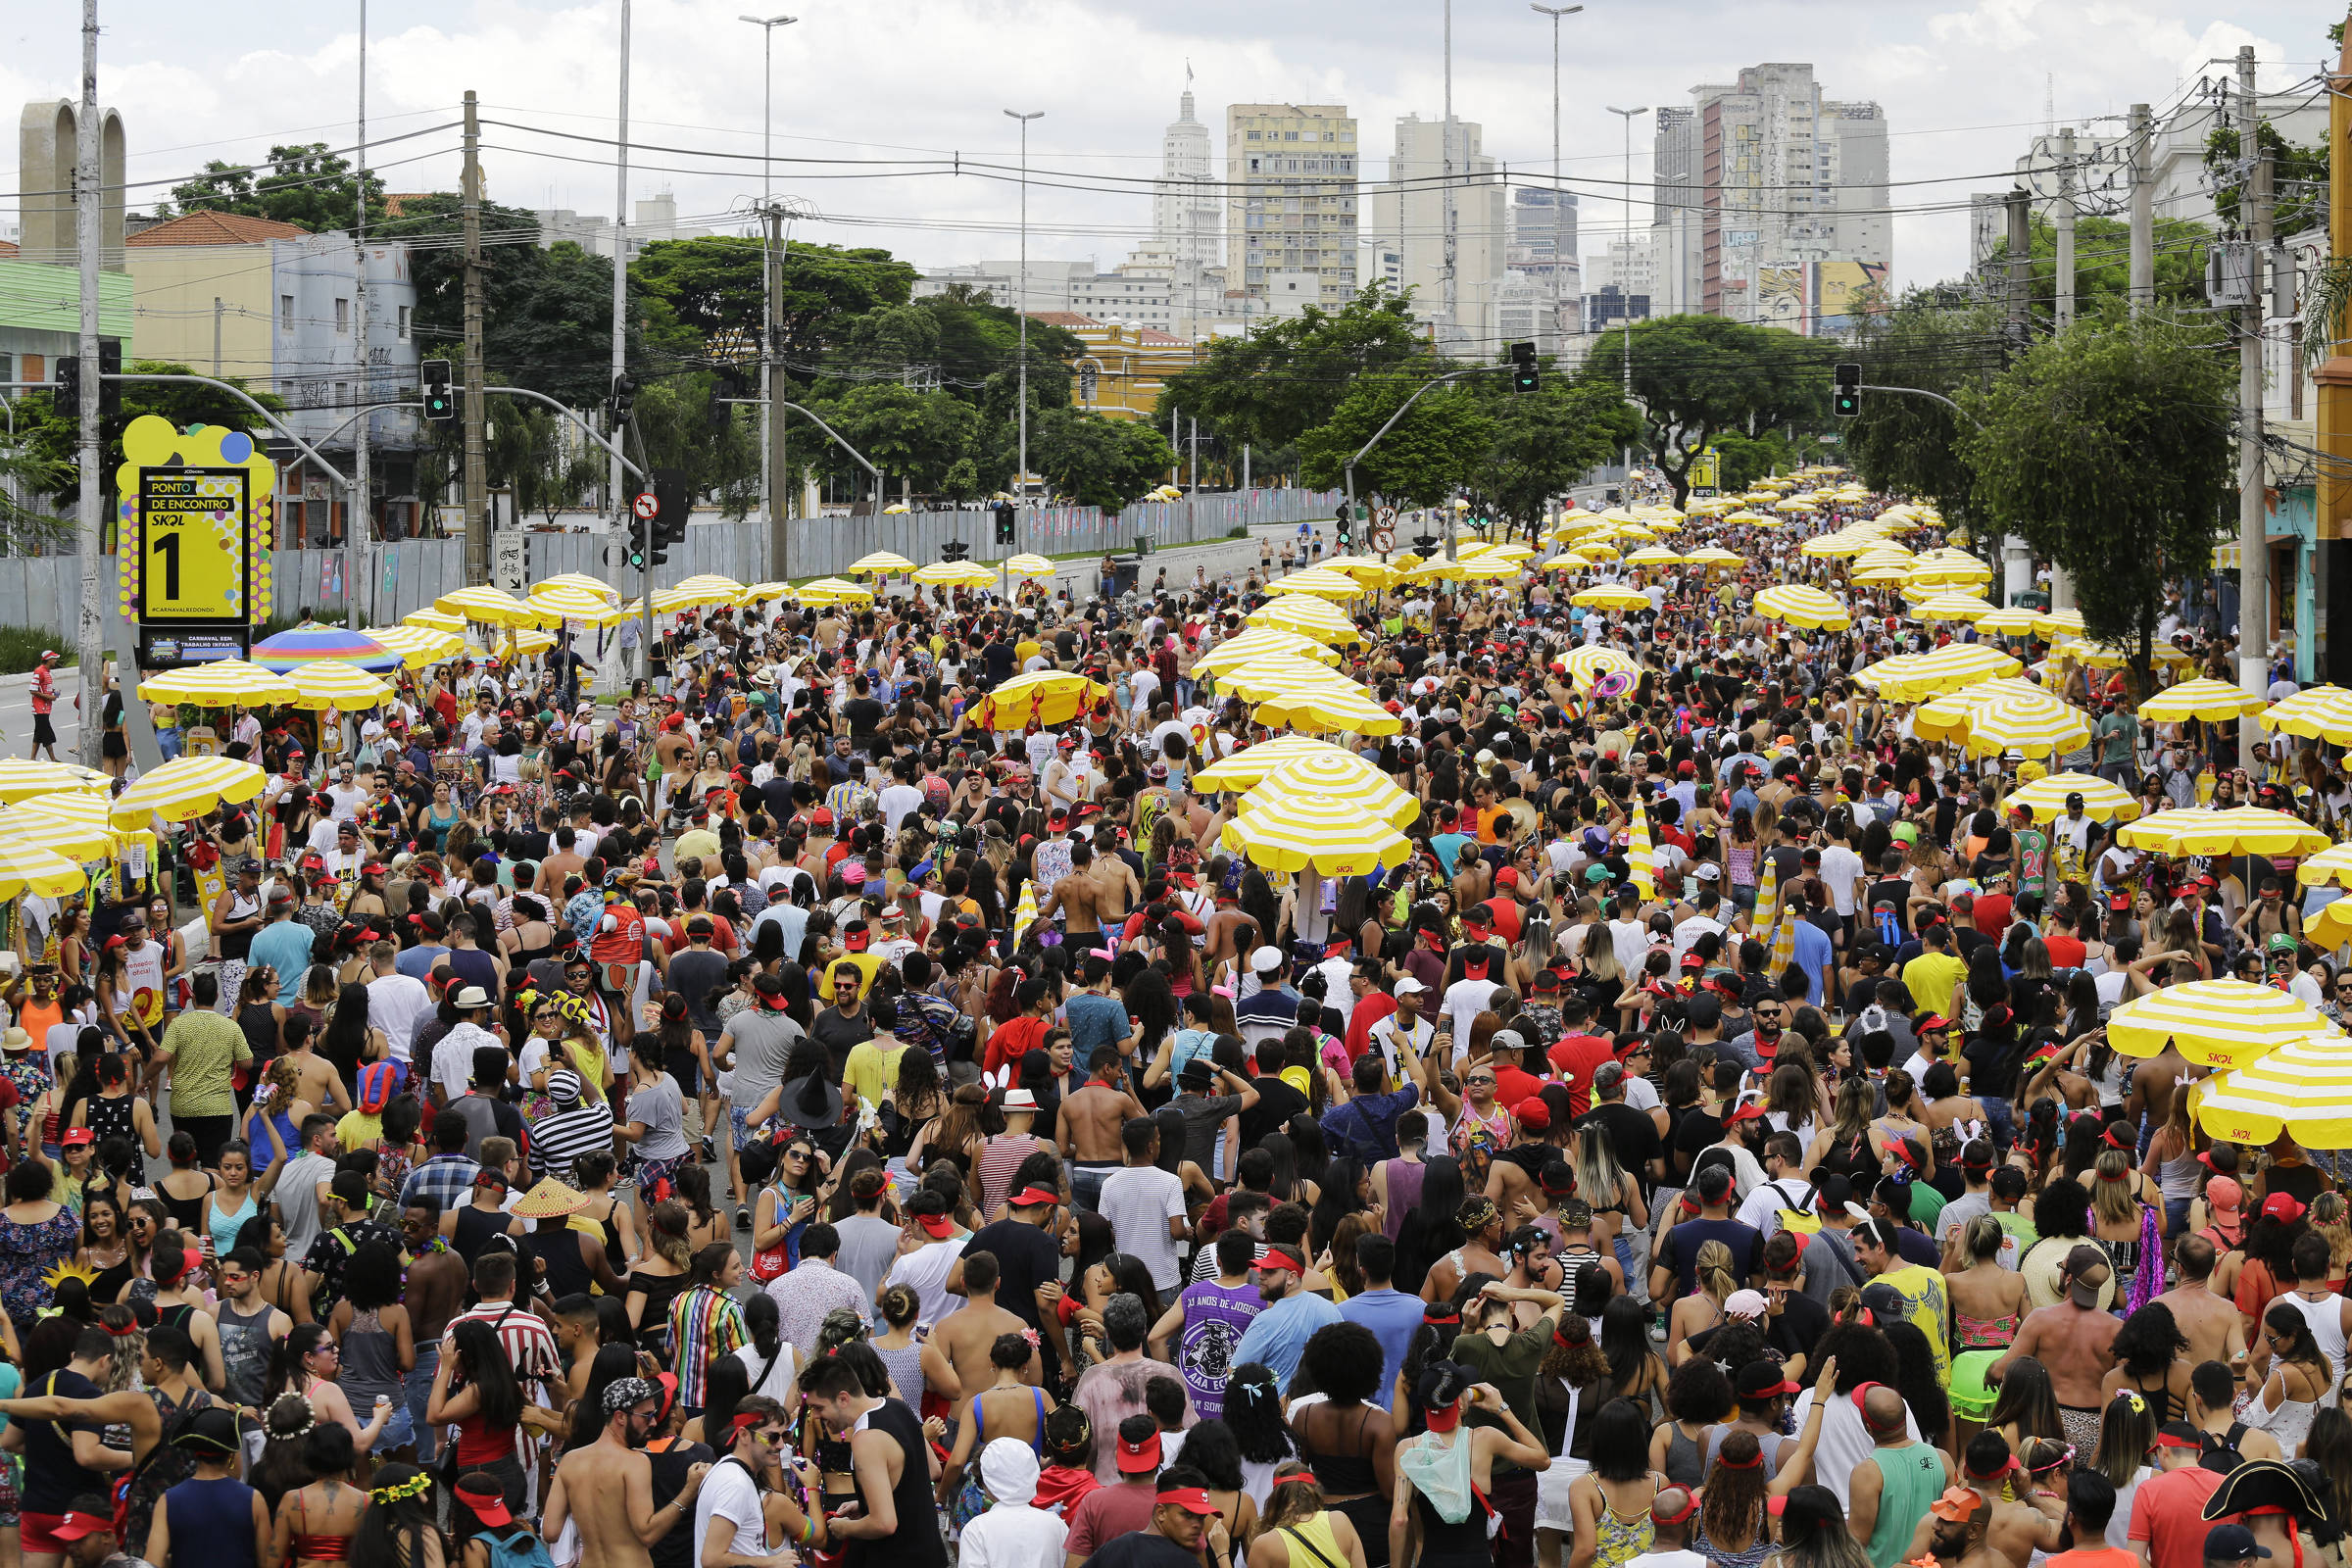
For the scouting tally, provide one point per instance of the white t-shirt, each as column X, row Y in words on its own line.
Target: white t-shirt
column 729, row 1492
column 1841, row 868
column 395, row 1001
column 1139, row 1201
column 896, row 803
column 1464, row 1001
column 925, row 1272
column 1630, row 938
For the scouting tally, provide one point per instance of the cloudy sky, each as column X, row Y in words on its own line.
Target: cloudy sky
column 872, row 95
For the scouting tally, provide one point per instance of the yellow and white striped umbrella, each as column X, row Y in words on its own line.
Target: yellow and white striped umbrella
column 1609, row 596
column 486, row 603
column 525, row 641
column 331, row 683
column 575, row 579
column 569, row 602
column 1641, row 855
column 76, row 841
column 2212, row 1023
column 2333, row 868
column 1028, row 565
column 1308, row 616
column 2240, row 830
column 2211, row 699
column 1588, row 663
column 2052, row 623
column 761, row 593
column 2316, row 714
column 2331, row 926
column 1437, row 569
column 1336, row 775
column 881, row 563
column 2102, row 801
column 1292, row 832
column 709, row 588
column 1653, row 556
column 1949, row 565
column 1714, row 557
column 222, row 684
column 432, row 620
column 80, row 807
column 1024, row 914
column 185, row 788
column 1259, row 643
column 1487, row 568
column 2008, row 621
column 420, row 646
column 1946, row 718
column 2303, row 1089
column 1324, row 712
column 2106, row 656
column 1798, row 604
column 2039, row 725
column 1321, row 582
column 1514, row 552
column 26, row 868
column 1048, row 697
column 1908, row 677
column 823, row 591
column 1964, row 608
column 1882, row 574
column 1832, row 546
column 1277, row 674
column 23, row 780
column 1244, row 769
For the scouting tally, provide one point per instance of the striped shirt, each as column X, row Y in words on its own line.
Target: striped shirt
column 1000, row 1158
column 529, row 1344
column 585, row 1129
column 705, row 1324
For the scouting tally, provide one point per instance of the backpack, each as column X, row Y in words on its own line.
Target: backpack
column 521, row 1549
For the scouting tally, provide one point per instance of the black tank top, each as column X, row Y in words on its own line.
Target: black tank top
column 110, row 1119
column 567, row 1270
column 475, row 1228
column 917, row 1542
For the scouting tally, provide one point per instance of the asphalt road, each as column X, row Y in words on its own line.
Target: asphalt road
column 16, row 715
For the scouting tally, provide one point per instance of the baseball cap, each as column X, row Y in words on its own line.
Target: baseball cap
column 2232, row 1543
column 1406, row 986
column 1138, row 1458
column 1192, row 1499
column 2086, row 1270
column 2281, row 1206
column 1745, row 1303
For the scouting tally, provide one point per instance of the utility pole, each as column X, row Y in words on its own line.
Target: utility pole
column 2142, row 285
column 360, row 510
column 2253, row 548
column 621, row 514
column 2063, row 309
column 97, row 572
column 2018, row 211
column 771, row 418
column 1446, row 138
column 478, row 458
column 1020, row 294
column 1625, row 294
column 1559, row 248
column 779, row 475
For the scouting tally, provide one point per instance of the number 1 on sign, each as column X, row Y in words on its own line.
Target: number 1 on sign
column 167, row 547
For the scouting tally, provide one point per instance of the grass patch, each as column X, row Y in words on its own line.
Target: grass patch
column 21, row 647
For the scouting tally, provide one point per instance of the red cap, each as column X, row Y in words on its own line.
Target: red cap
column 1192, row 1499
column 1282, row 1258
column 1034, row 1198
column 1135, row 1458
column 1533, row 1114
column 938, row 1226
column 2283, row 1207
column 75, row 1526
column 490, row 1507
column 77, row 1135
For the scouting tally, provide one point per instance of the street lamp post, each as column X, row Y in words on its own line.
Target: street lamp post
column 1559, row 254
column 1020, row 478
column 1625, row 295
column 768, row 25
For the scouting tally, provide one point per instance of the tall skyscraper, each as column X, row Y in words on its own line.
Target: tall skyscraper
column 1410, row 212
column 1542, row 250
column 1770, row 200
column 1188, row 216
column 1290, row 174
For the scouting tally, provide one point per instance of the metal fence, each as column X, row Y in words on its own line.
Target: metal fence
column 44, row 591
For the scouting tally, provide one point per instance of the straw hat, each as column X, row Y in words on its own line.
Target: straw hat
column 548, row 1199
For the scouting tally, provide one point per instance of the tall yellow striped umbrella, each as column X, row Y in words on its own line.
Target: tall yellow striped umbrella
column 1768, row 896
column 761, row 593
column 881, row 563
column 1024, row 914
column 1880, row 574
column 1247, row 767
column 817, row 591
column 1278, row 673
column 1946, row 718
column 569, row 601
column 2045, row 797
column 1588, row 663
column 1487, row 568
column 1783, row 940
column 1653, row 556
column 1028, row 565
column 1800, row 606
column 1908, row 677
column 26, row 868
column 433, row 620
column 2240, row 830
column 222, row 684
column 420, row 646
column 22, row 778
column 1609, row 596
column 525, row 641
column 1050, row 697
column 2210, row 699
column 1967, row 607
column 2038, row 725
column 1320, row 581
column 1292, row 832
column 1329, row 712
column 2303, row 1089
column 185, row 788
column 1308, row 616
column 484, row 602
column 2059, row 623
column 2212, row 1023
column 331, row 683
column 1714, row 557
column 80, row 833
column 2333, row 868
column 2008, row 621
column 1257, row 643
column 1949, row 566
column 709, row 588
column 936, row 574
column 1437, row 569
column 1338, row 776
column 2316, row 714
column 1641, row 855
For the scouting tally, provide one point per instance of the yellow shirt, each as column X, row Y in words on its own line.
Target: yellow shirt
column 871, row 1070
column 867, row 965
column 1930, row 978
column 358, row 1130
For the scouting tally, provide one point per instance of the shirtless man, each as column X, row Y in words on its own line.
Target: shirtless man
column 436, row 1292
column 319, row 1082
column 1958, row 1528
column 607, row 1489
column 561, row 862
column 2075, row 1342
column 2154, row 1082
column 1230, row 934
column 1087, row 1128
column 966, row 1336
column 1115, row 889
column 671, row 742
column 1482, row 1225
column 1076, row 897
column 2211, row 1323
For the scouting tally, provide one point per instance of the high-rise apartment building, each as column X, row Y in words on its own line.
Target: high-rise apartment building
column 1290, row 176
column 1411, row 212
column 1188, row 215
column 1770, row 200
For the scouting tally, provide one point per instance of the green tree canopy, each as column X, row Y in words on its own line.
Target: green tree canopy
column 1292, row 374
column 302, row 185
column 712, row 285
column 1095, row 460
column 1910, row 445
column 1439, row 446
column 2103, row 262
column 904, row 432
column 1546, row 441
column 1699, row 376
column 2107, row 450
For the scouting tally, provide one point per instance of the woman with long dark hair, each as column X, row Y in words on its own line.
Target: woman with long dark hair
column 379, row 1349
column 486, row 1407
column 2294, row 1375
column 398, row 1530
column 315, row 1523
column 1635, row 1371
column 1813, row 1533
column 2028, row 1405
column 1347, row 1440
column 1433, row 1228
column 350, row 1039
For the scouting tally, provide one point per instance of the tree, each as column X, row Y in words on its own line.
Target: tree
column 2103, row 448
column 2103, row 263
column 1910, row 445
column 1547, row 441
column 1435, row 449
column 1095, row 460
column 305, row 186
column 1697, row 376
column 1740, row 461
column 904, row 432
column 2298, row 178
column 712, row 285
column 717, row 445
column 48, row 435
column 1290, row 375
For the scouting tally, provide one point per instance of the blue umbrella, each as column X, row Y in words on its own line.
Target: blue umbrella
column 307, row 645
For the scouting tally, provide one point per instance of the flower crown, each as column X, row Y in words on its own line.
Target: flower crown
column 410, row 1487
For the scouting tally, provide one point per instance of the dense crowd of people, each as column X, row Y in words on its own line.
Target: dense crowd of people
column 780, row 1097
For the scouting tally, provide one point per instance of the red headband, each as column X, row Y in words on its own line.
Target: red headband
column 1690, row 1505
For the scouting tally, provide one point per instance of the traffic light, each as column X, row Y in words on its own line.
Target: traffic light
column 110, row 393
column 622, row 400
column 1005, row 522
column 636, row 555
column 677, row 499
column 1847, row 401
column 66, row 371
column 1346, row 528
column 440, row 401
column 1525, row 378
column 954, row 550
